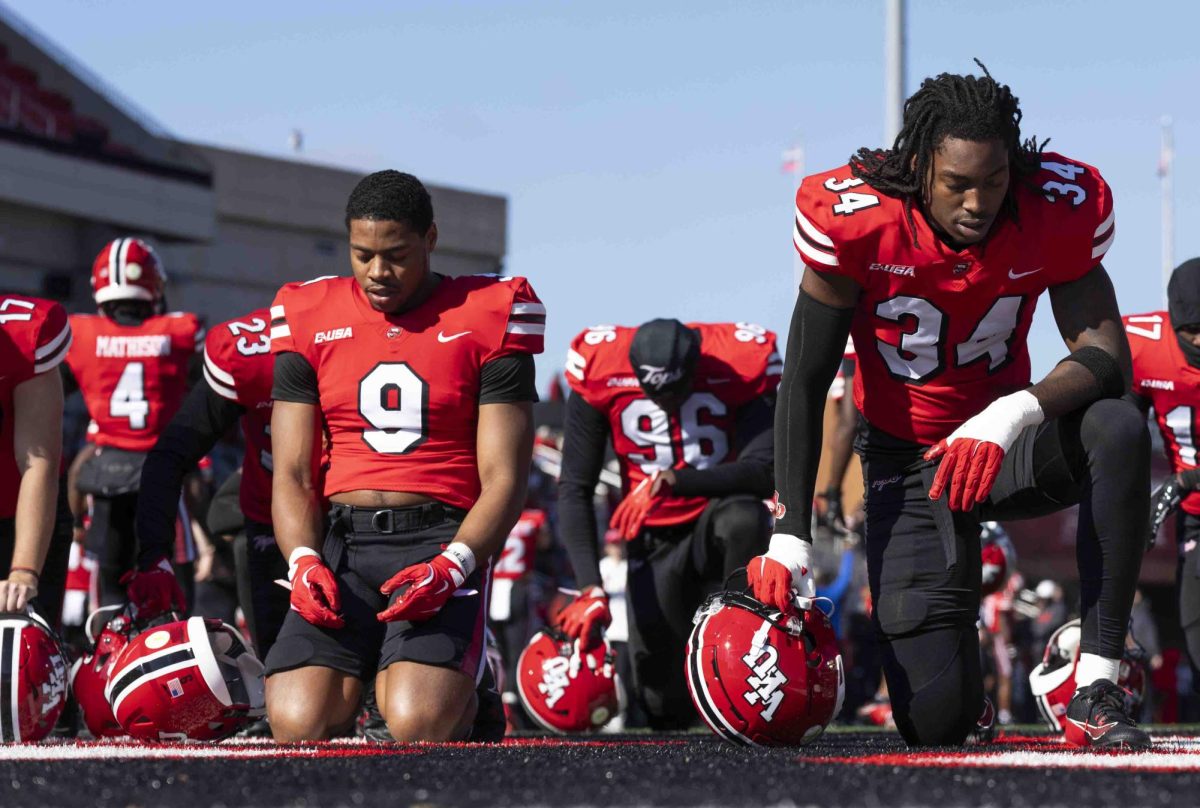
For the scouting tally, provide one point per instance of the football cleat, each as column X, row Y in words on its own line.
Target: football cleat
column 127, row 269
column 566, row 689
column 758, row 677
column 985, row 726
column 1097, row 718
column 33, row 684
column 191, row 679
column 1053, row 680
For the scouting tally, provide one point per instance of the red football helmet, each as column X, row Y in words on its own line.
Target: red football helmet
column 998, row 557
column 33, row 678
column 565, row 690
column 1053, row 681
column 759, row 678
column 127, row 269
column 109, row 630
column 190, row 679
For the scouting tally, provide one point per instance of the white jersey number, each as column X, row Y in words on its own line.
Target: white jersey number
column 648, row 427
column 1181, row 421
column 392, row 399
column 251, row 346
column 918, row 356
column 128, row 400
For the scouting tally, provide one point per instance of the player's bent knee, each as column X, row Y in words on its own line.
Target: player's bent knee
column 291, row 725
column 410, row 723
column 1117, row 426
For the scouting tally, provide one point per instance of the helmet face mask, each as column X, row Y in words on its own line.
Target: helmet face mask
column 110, row 630
column 759, row 678
column 565, row 690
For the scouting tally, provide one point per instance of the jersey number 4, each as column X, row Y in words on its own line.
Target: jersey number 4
column 919, row 357
column 128, row 399
column 393, row 399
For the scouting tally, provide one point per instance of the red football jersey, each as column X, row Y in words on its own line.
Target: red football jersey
column 940, row 333
column 400, row 393
column 133, row 378
column 239, row 365
column 1162, row 375
column 738, row 363
column 520, row 548
column 34, row 338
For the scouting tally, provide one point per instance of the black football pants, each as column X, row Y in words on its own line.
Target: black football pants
column 671, row 571
column 923, row 560
column 1187, row 575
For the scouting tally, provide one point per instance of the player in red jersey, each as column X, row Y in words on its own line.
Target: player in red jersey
column 425, row 387
column 34, row 339
column 238, row 374
column 510, row 610
column 934, row 253
column 688, row 411
column 1166, row 377
column 131, row 364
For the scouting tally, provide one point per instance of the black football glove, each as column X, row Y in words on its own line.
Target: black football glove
column 833, row 516
column 1163, row 502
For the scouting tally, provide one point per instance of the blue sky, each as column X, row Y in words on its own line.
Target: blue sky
column 639, row 143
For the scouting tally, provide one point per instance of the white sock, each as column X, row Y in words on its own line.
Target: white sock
column 1092, row 667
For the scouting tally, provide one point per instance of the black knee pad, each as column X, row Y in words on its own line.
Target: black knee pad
column 936, row 685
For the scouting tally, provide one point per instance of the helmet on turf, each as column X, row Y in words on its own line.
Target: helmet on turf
column 998, row 557
column 760, row 678
column 1053, row 681
column 564, row 689
column 33, row 677
column 189, row 679
column 109, row 630
column 127, row 269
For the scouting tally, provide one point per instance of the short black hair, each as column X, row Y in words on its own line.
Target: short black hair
column 975, row 108
column 391, row 196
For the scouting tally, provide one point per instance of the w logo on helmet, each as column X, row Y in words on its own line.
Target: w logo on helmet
column 763, row 661
column 555, row 678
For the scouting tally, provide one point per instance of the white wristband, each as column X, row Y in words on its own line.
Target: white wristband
column 294, row 558
column 462, row 555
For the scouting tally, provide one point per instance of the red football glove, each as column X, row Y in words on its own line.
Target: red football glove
column 154, row 590
column 972, row 454
column 430, row 585
column 782, row 577
column 314, row 589
column 585, row 618
column 630, row 514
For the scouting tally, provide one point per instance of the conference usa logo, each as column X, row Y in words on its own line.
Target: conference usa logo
column 767, row 680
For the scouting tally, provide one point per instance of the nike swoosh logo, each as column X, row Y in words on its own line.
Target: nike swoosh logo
column 444, row 338
column 1016, row 275
column 1093, row 731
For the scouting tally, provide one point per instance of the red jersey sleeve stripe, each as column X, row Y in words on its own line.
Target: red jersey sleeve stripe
column 53, row 352
column 812, row 243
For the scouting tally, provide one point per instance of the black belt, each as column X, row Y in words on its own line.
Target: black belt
column 386, row 521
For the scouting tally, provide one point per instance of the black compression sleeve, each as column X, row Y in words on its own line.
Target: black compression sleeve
column 752, row 473
column 191, row 434
column 585, row 434
column 295, row 380
column 816, row 340
column 508, row 379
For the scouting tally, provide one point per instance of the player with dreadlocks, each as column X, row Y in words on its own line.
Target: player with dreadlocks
column 933, row 254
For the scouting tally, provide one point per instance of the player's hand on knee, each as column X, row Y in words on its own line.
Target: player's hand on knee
column 782, row 577
column 430, row 584
column 630, row 514
column 153, row 590
column 972, row 454
column 314, row 589
column 586, row 617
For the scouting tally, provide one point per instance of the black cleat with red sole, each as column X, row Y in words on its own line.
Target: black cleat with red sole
column 1098, row 718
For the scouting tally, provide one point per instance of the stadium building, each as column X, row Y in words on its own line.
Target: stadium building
column 80, row 165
